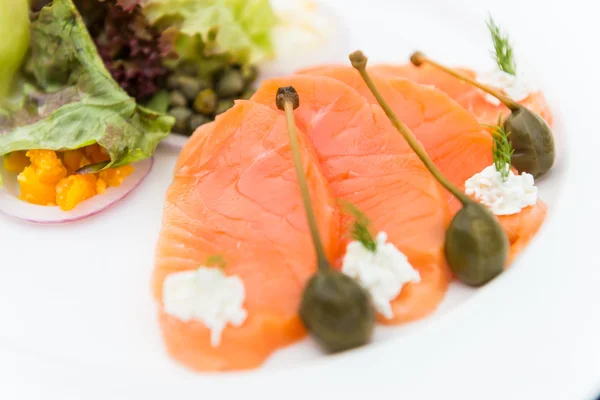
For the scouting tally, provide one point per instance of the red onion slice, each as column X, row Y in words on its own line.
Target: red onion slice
column 10, row 203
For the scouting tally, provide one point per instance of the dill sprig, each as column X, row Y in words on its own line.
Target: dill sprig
column 216, row 260
column 501, row 149
column 503, row 52
column 360, row 228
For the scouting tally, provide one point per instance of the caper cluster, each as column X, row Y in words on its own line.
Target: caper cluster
column 195, row 100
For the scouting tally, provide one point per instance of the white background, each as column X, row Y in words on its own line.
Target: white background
column 534, row 333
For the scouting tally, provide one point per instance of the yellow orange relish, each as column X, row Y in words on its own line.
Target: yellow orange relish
column 48, row 177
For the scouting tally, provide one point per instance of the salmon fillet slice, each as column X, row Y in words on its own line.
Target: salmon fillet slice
column 468, row 96
column 368, row 164
column 235, row 193
column 451, row 136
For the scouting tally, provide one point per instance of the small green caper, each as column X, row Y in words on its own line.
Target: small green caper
column 532, row 141
column 476, row 245
column 182, row 116
column 223, row 105
column 189, row 86
column 198, row 120
column 230, row 83
column 177, row 99
column 249, row 73
column 337, row 311
column 205, row 102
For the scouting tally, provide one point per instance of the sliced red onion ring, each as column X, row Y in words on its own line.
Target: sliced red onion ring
column 10, row 203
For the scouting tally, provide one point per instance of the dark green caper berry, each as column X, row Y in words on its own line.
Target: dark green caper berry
column 337, row 311
column 476, row 245
column 532, row 141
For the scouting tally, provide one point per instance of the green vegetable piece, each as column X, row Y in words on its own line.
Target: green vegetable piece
column 531, row 137
column 335, row 309
column 159, row 102
column 230, row 84
column 501, row 149
column 14, row 29
column 216, row 33
column 532, row 141
column 476, row 249
column 198, row 120
column 360, row 228
column 182, row 119
column 206, row 102
column 223, row 106
column 177, row 99
column 88, row 107
column 476, row 246
column 503, row 52
column 190, row 87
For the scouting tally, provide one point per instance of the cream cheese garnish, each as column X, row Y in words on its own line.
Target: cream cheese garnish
column 502, row 197
column 513, row 87
column 383, row 272
column 208, row 296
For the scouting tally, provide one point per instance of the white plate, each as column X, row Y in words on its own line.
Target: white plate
column 78, row 322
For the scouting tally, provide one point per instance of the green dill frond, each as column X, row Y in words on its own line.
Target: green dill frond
column 360, row 228
column 502, row 150
column 216, row 260
column 503, row 52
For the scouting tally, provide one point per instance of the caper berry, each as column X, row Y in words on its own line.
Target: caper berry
column 189, row 87
column 532, row 141
column 177, row 99
column 476, row 245
column 249, row 73
column 205, row 102
column 337, row 311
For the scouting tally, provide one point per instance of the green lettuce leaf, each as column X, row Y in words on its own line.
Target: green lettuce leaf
column 71, row 100
column 14, row 28
column 216, row 31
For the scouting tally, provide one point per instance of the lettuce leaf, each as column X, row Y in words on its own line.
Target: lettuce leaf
column 14, row 24
column 216, row 31
column 71, row 100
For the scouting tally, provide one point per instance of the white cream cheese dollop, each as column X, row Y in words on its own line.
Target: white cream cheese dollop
column 206, row 295
column 502, row 197
column 514, row 87
column 383, row 272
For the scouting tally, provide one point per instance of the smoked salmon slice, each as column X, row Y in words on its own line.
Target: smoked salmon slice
column 368, row 164
column 468, row 96
column 454, row 140
column 235, row 194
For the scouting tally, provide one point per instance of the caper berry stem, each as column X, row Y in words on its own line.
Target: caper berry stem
column 287, row 100
column 418, row 58
column 359, row 62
